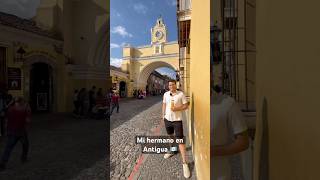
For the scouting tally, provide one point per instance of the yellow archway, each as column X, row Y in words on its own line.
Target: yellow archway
column 148, row 69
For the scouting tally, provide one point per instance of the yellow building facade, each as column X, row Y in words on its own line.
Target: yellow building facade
column 63, row 48
column 200, row 86
column 194, row 42
column 139, row 62
column 120, row 81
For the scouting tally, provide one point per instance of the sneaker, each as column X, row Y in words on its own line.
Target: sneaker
column 168, row 155
column 186, row 171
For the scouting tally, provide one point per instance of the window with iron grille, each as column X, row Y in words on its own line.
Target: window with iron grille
column 230, row 23
column 229, row 3
column 184, row 33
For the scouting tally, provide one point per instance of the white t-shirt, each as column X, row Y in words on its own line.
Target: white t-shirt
column 226, row 121
column 179, row 99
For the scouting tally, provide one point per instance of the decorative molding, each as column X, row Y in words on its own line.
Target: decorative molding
column 120, row 74
column 87, row 72
column 40, row 58
column 150, row 45
column 152, row 57
column 31, row 35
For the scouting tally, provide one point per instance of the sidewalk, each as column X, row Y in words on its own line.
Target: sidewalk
column 60, row 147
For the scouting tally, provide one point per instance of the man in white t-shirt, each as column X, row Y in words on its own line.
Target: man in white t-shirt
column 229, row 132
column 174, row 103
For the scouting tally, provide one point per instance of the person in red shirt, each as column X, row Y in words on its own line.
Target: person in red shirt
column 115, row 102
column 18, row 117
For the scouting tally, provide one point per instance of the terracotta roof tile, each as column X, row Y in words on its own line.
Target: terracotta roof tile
column 26, row 25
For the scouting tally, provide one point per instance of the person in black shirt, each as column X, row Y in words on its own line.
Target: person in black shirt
column 92, row 100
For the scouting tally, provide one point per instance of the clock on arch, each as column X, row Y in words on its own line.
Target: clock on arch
column 159, row 34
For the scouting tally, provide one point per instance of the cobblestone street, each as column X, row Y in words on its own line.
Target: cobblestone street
column 141, row 117
column 61, row 147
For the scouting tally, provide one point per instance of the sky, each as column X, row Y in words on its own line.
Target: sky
column 22, row 8
column 131, row 21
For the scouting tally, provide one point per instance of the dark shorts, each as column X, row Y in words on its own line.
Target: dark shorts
column 174, row 127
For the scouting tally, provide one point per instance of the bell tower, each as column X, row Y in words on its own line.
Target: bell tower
column 159, row 32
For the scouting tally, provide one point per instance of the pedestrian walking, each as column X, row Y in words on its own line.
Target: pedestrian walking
column 115, row 102
column 81, row 101
column 173, row 104
column 99, row 92
column 98, row 111
column 18, row 116
column 92, row 98
column 86, row 103
column 135, row 93
column 76, row 102
column 3, row 106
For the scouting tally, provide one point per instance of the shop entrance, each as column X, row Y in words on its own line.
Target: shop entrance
column 41, row 87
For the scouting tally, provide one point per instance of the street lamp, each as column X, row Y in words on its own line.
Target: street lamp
column 177, row 75
column 20, row 53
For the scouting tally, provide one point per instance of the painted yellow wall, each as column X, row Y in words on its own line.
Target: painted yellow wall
column 288, row 76
column 31, row 50
column 10, row 63
column 136, row 67
column 171, row 48
column 200, row 85
column 126, row 51
column 149, row 50
column 142, row 52
column 83, row 51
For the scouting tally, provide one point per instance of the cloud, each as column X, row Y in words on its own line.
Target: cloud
column 140, row 8
column 172, row 2
column 114, row 45
column 115, row 13
column 115, row 62
column 121, row 31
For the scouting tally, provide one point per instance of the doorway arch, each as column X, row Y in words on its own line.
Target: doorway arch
column 40, row 75
column 148, row 69
column 41, row 87
column 123, row 89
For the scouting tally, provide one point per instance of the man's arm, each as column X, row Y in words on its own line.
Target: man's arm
column 180, row 108
column 240, row 144
column 184, row 106
column 163, row 110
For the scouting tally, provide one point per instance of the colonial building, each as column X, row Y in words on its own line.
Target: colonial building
column 62, row 48
column 120, row 81
column 193, row 18
column 139, row 62
column 184, row 21
column 156, row 82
